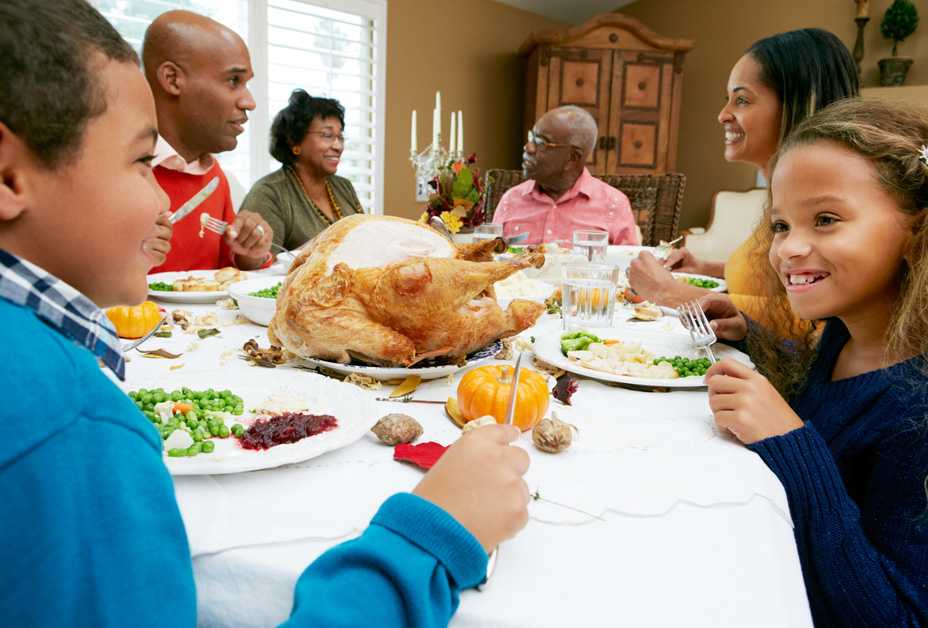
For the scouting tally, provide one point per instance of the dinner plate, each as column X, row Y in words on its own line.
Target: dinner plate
column 354, row 410
column 185, row 297
column 661, row 344
column 427, row 370
column 721, row 287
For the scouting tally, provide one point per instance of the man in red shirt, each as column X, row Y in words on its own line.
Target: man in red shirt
column 198, row 70
column 561, row 196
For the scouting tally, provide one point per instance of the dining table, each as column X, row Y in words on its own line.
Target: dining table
column 652, row 517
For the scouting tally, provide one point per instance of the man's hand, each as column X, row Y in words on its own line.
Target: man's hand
column 746, row 404
column 249, row 238
column 158, row 246
column 478, row 481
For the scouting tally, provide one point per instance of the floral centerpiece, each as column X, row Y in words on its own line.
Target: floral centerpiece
column 457, row 195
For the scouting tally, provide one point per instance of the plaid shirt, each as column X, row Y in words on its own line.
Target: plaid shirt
column 62, row 307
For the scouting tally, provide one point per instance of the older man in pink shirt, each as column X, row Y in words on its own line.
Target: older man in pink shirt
column 560, row 195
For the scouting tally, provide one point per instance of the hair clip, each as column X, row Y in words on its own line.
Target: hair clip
column 923, row 155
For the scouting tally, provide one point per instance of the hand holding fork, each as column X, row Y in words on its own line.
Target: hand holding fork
column 249, row 236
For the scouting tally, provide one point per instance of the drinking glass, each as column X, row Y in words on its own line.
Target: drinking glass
column 591, row 243
column 488, row 231
column 588, row 295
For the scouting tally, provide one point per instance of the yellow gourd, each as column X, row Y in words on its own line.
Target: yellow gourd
column 486, row 390
column 134, row 321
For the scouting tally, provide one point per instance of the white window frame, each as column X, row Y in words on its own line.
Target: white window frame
column 261, row 162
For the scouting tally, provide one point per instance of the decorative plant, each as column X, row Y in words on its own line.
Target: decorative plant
column 899, row 21
column 457, row 195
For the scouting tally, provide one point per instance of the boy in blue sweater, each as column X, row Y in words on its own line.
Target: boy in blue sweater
column 93, row 533
column 847, row 233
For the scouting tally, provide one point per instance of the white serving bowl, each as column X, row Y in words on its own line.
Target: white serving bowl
column 259, row 310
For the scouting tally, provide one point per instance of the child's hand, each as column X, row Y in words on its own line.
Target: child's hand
column 158, row 246
column 648, row 277
column 681, row 260
column 746, row 404
column 250, row 236
column 478, row 481
column 724, row 318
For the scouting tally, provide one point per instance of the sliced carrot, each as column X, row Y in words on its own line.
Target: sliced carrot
column 181, row 408
column 610, row 341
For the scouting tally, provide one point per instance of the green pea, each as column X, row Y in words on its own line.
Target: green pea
column 224, row 431
column 238, row 430
column 177, row 453
column 207, row 446
column 193, row 450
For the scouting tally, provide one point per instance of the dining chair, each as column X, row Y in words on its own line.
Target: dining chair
column 656, row 200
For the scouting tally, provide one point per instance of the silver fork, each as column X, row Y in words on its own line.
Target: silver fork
column 221, row 226
column 694, row 319
column 132, row 345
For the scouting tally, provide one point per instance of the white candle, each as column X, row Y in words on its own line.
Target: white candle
column 412, row 134
column 436, row 128
column 461, row 132
column 438, row 101
column 452, row 136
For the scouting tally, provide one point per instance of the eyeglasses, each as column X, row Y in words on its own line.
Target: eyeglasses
column 329, row 137
column 541, row 143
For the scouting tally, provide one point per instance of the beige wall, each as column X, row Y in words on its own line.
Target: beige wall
column 722, row 30
column 468, row 51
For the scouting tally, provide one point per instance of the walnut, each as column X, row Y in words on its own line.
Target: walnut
column 394, row 429
column 552, row 435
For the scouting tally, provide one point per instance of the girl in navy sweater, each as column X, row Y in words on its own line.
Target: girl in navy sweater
column 841, row 415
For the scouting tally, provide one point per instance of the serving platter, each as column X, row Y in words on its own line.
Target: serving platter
column 426, row 370
column 661, row 344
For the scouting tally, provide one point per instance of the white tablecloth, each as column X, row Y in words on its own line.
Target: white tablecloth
column 694, row 530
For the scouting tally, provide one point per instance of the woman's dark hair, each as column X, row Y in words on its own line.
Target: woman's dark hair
column 292, row 122
column 50, row 59
column 808, row 69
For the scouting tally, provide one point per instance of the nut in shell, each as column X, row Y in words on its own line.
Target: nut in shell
column 394, row 429
column 480, row 422
column 552, row 435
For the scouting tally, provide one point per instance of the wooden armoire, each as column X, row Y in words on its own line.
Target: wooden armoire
column 627, row 76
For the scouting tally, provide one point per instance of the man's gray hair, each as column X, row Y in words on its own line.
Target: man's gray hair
column 582, row 126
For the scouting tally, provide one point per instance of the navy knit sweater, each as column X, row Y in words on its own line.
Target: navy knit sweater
column 855, row 480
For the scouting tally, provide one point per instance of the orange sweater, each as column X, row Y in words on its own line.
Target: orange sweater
column 188, row 250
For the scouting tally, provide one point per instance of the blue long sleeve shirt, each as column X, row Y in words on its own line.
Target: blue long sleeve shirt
column 855, row 479
column 93, row 535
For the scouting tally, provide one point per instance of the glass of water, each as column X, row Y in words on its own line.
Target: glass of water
column 488, row 231
column 588, row 295
column 591, row 243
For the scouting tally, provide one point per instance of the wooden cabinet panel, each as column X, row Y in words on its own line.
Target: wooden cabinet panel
column 642, row 85
column 638, row 147
column 630, row 80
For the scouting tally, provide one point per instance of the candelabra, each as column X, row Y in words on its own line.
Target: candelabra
column 427, row 164
column 859, row 44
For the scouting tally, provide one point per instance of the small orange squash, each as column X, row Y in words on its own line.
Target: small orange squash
column 486, row 390
column 134, row 321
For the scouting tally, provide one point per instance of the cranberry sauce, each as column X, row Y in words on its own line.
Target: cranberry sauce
column 288, row 427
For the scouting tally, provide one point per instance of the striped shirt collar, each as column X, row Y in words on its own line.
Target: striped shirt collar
column 62, row 307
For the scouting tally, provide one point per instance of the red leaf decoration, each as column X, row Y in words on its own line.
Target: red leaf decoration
column 423, row 455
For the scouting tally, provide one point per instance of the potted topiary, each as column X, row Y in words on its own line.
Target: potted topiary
column 899, row 21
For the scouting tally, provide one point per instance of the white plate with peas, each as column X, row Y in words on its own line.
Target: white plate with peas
column 674, row 348
column 713, row 284
column 161, row 287
column 205, row 417
column 257, row 298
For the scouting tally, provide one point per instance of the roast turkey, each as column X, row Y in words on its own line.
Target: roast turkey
column 392, row 292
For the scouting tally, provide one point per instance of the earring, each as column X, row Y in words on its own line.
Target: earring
column 296, row 150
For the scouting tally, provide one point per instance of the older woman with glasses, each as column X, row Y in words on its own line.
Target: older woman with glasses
column 304, row 196
column 561, row 196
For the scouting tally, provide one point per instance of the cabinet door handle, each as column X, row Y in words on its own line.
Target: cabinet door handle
column 601, row 143
column 612, row 143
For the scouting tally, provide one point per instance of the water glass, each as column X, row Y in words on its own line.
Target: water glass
column 588, row 295
column 591, row 243
column 488, row 231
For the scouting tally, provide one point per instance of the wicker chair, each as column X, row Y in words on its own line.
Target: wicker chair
column 656, row 199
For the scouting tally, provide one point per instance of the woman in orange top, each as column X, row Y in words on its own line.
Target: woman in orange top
column 777, row 84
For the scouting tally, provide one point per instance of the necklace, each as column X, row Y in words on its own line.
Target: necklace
column 332, row 201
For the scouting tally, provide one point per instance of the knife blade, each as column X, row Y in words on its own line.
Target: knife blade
column 522, row 237
column 194, row 201
column 513, row 395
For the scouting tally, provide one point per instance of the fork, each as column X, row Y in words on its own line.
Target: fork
column 132, row 345
column 221, row 226
column 694, row 319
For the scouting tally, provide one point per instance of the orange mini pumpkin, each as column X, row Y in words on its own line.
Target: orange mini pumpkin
column 134, row 321
column 486, row 390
